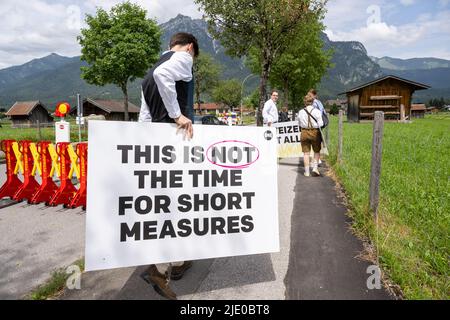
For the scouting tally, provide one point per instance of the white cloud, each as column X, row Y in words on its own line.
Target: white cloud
column 424, row 17
column 425, row 33
column 31, row 29
column 161, row 10
column 376, row 34
column 407, row 41
column 407, row 2
column 34, row 28
column 339, row 16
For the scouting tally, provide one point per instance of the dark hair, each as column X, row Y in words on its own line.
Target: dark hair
column 274, row 91
column 183, row 38
column 313, row 91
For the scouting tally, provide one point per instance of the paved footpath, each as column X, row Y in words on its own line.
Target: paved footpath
column 34, row 241
column 323, row 263
column 317, row 258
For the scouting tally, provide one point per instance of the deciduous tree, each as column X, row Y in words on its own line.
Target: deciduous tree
column 228, row 92
column 119, row 46
column 206, row 74
column 267, row 25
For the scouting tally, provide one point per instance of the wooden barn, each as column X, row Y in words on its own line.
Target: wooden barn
column 210, row 108
column 111, row 109
column 390, row 94
column 418, row 110
column 27, row 114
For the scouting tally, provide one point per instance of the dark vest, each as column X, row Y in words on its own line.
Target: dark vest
column 153, row 98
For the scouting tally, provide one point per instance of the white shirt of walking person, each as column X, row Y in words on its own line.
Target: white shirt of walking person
column 270, row 111
column 313, row 123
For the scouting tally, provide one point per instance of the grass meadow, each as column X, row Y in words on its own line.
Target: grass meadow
column 32, row 134
column 412, row 234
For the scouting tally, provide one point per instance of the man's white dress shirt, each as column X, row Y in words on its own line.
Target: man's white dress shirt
column 270, row 112
column 177, row 68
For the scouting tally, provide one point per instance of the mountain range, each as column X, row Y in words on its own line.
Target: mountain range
column 55, row 78
column 411, row 64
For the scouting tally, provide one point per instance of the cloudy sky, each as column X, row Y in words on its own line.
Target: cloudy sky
column 397, row 28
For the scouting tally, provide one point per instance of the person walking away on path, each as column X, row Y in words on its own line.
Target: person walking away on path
column 270, row 111
column 310, row 120
column 318, row 105
column 165, row 98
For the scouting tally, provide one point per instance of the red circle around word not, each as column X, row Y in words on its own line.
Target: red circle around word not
column 241, row 166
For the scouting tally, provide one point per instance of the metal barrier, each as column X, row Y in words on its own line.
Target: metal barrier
column 30, row 185
column 66, row 189
column 79, row 199
column 48, row 186
column 43, row 159
column 12, row 183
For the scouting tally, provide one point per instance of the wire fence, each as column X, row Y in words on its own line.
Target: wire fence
column 38, row 131
column 32, row 125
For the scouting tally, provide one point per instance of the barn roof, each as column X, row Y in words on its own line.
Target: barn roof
column 337, row 102
column 208, row 106
column 418, row 107
column 112, row 106
column 416, row 85
column 23, row 108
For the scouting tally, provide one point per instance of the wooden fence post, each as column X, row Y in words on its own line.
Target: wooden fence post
column 340, row 135
column 377, row 149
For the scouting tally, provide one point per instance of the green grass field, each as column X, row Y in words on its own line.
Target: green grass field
column 412, row 237
column 249, row 120
column 32, row 134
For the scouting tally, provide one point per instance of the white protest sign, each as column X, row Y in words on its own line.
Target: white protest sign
column 288, row 137
column 154, row 197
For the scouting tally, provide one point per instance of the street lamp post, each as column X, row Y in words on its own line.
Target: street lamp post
column 242, row 93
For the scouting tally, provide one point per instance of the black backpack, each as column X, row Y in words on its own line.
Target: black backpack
column 325, row 119
column 283, row 116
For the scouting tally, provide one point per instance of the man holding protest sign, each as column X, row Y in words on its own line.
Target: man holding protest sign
column 156, row 198
column 165, row 98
